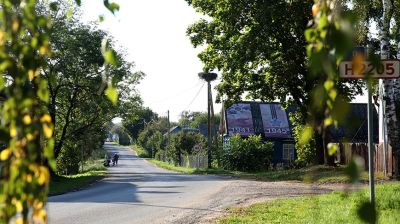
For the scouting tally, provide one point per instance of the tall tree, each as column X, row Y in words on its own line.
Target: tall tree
column 260, row 49
column 75, row 75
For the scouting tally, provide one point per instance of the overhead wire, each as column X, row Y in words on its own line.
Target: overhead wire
column 177, row 94
column 195, row 97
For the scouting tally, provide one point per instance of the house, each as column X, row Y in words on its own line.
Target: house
column 177, row 129
column 269, row 120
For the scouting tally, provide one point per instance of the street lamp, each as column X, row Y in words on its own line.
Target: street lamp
column 208, row 77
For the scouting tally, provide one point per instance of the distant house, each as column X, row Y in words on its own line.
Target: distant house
column 202, row 129
column 177, row 129
column 269, row 120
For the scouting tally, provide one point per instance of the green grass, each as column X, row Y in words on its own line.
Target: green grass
column 141, row 152
column 314, row 174
column 94, row 171
column 330, row 208
column 168, row 166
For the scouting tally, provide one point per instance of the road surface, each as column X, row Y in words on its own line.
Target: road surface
column 138, row 192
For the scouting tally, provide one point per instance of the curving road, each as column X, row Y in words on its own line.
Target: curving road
column 138, row 192
column 134, row 192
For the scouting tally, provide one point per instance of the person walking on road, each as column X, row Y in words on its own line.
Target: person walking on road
column 115, row 159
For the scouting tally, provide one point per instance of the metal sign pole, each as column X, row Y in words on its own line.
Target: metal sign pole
column 371, row 150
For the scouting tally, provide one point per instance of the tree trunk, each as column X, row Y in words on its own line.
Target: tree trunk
column 390, row 87
column 319, row 148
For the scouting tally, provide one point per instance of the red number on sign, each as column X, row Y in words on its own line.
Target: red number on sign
column 390, row 69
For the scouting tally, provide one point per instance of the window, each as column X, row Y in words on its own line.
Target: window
column 288, row 152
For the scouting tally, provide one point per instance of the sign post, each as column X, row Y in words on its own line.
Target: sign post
column 386, row 69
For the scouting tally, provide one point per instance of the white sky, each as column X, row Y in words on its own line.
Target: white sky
column 153, row 33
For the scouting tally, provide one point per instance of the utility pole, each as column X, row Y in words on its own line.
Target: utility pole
column 214, row 128
column 169, row 127
column 208, row 77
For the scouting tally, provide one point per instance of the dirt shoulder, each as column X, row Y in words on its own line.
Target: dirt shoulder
column 241, row 192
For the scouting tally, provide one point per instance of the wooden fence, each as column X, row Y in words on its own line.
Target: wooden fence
column 348, row 150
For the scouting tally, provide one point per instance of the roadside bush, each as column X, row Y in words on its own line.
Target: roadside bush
column 68, row 161
column 142, row 153
column 124, row 139
column 305, row 153
column 249, row 154
column 183, row 143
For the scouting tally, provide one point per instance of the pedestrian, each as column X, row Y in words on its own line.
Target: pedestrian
column 115, row 159
column 106, row 160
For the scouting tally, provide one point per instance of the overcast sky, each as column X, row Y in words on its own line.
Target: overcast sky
column 153, row 33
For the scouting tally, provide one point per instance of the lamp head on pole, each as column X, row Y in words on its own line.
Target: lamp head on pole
column 208, row 76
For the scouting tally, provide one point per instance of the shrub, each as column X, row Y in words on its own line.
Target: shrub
column 69, row 160
column 249, row 154
column 183, row 143
column 305, row 153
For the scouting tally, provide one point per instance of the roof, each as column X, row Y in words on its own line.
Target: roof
column 354, row 130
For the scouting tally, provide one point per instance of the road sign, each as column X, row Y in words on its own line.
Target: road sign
column 196, row 148
column 387, row 69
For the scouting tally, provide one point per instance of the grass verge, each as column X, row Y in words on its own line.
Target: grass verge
column 94, row 171
column 330, row 208
column 313, row 174
column 168, row 166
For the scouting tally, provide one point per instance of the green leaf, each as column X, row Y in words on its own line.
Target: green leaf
column 113, row 7
column 112, row 94
column 354, row 168
column 110, row 57
column 78, row 2
column 332, row 148
column 2, row 82
column 367, row 212
column 54, row 6
column 101, row 18
column 69, row 13
column 42, row 92
column 306, row 135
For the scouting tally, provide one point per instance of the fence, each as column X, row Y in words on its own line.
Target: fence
column 348, row 150
column 191, row 161
column 194, row 161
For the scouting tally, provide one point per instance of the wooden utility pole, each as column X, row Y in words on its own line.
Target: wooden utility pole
column 208, row 77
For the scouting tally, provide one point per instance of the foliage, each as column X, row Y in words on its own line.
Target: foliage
column 79, row 110
column 336, row 207
column 25, row 125
column 136, row 122
column 151, row 138
column 187, row 170
column 260, row 48
column 196, row 119
column 141, row 152
column 123, row 136
column 183, row 144
column 26, row 128
column 249, row 154
column 68, row 183
column 305, row 151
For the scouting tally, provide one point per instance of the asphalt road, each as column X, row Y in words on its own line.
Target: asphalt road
column 137, row 192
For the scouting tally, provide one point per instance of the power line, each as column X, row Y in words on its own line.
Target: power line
column 178, row 94
column 197, row 94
